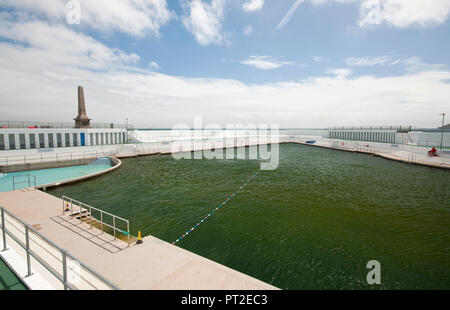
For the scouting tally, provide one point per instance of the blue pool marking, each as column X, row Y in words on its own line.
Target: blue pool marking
column 217, row 209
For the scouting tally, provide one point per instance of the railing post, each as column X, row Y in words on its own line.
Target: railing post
column 101, row 219
column 27, row 248
column 3, row 230
column 128, row 230
column 114, row 225
column 90, row 211
column 64, row 262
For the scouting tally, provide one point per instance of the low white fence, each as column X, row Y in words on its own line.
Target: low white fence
column 50, row 157
column 60, row 268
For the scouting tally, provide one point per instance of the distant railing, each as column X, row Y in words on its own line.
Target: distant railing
column 396, row 128
column 62, row 275
column 49, row 125
column 55, row 157
column 83, row 210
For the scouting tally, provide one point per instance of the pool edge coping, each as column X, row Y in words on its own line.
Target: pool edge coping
column 378, row 154
column 116, row 161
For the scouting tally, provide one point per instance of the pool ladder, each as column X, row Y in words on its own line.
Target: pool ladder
column 31, row 179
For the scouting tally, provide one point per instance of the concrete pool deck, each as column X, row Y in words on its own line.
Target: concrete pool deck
column 155, row 264
column 399, row 155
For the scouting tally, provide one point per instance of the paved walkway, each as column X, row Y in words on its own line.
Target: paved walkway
column 398, row 155
column 155, row 264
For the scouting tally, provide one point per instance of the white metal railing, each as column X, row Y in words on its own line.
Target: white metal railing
column 62, row 275
column 397, row 128
column 84, row 210
column 31, row 179
column 55, row 157
column 46, row 125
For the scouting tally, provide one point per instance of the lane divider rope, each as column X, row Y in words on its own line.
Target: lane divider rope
column 216, row 209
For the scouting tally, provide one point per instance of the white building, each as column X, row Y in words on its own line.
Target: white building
column 393, row 135
column 39, row 138
column 384, row 136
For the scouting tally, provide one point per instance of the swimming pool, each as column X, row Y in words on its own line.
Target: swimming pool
column 8, row 279
column 313, row 223
column 48, row 176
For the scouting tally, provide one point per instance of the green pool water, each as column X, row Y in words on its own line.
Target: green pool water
column 8, row 280
column 313, row 223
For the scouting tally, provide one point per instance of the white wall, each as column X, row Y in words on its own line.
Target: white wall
column 74, row 137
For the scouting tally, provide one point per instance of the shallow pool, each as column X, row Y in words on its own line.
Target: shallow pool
column 47, row 176
column 313, row 223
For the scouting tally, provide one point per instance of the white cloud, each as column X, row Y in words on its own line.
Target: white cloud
column 136, row 18
column 253, row 5
column 265, row 62
column 415, row 64
column 60, row 46
column 319, row 58
column 320, row 2
column 411, row 64
column 154, row 65
column 341, row 73
column 398, row 13
column 404, row 13
column 248, row 30
column 371, row 61
column 204, row 20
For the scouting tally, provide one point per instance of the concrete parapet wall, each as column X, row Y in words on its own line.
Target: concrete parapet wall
column 44, row 165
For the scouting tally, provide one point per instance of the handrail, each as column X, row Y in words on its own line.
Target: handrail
column 30, row 253
column 67, row 200
column 28, row 181
column 58, row 156
column 409, row 128
column 52, row 125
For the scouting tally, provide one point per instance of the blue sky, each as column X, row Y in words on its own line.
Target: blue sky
column 328, row 31
column 159, row 63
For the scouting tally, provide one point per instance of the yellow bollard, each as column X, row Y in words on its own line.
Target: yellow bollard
column 139, row 240
column 67, row 206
